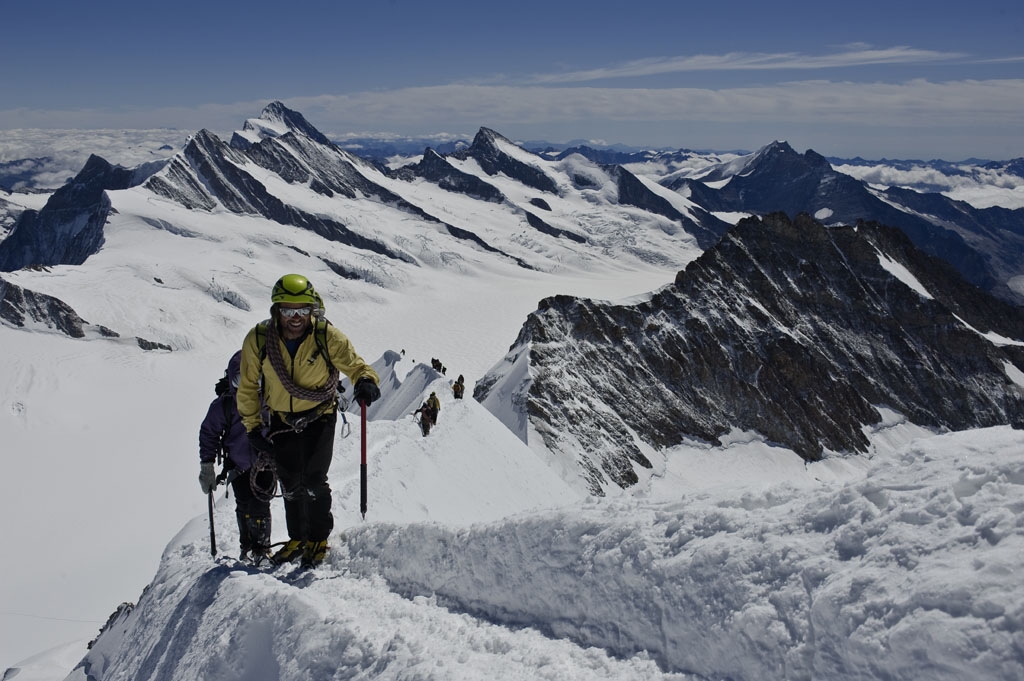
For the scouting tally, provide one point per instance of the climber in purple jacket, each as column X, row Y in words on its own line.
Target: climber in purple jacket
column 222, row 431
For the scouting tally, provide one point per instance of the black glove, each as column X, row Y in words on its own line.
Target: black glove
column 258, row 443
column 365, row 391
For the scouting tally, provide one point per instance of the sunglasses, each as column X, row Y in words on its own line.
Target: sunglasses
column 289, row 312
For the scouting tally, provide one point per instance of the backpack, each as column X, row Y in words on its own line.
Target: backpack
column 221, row 388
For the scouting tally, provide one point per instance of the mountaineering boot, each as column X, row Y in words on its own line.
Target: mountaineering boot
column 314, row 553
column 292, row 550
column 244, row 536
column 259, row 533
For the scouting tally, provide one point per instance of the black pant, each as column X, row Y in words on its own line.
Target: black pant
column 252, row 512
column 246, row 502
column 302, row 460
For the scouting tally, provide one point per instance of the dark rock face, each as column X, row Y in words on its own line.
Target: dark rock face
column 435, row 168
column 787, row 328
column 20, row 307
column 179, row 184
column 9, row 214
column 487, row 152
column 27, row 309
column 151, row 345
column 632, row 192
column 69, row 228
column 985, row 244
column 538, row 224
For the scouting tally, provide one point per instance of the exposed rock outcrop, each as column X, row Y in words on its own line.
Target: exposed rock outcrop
column 787, row 328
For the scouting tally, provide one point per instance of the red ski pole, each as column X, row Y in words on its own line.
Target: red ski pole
column 362, row 462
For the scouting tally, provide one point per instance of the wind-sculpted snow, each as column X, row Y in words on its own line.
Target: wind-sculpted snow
column 855, row 582
column 901, row 566
column 215, row 622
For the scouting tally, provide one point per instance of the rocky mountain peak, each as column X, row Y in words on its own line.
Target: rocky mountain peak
column 983, row 245
column 785, row 328
column 437, row 169
column 486, row 138
column 69, row 228
column 276, row 120
column 487, row 151
column 780, row 158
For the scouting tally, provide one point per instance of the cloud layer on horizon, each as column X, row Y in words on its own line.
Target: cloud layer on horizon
column 971, row 108
column 850, row 110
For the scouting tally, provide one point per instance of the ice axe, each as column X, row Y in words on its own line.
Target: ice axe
column 213, row 535
column 231, row 475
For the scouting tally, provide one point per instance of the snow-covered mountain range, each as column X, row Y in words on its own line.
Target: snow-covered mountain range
column 782, row 337
column 706, row 193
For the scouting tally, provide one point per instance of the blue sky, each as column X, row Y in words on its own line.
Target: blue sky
column 895, row 79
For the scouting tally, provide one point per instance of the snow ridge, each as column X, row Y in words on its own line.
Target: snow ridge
column 837, row 571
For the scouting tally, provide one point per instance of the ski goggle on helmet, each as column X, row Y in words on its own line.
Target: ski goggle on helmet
column 295, row 288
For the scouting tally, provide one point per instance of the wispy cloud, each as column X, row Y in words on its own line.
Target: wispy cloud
column 1001, row 60
column 419, row 110
column 912, row 103
column 853, row 55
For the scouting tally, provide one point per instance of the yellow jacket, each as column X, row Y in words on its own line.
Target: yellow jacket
column 307, row 369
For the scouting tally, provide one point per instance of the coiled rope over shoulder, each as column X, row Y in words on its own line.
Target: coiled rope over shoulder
column 326, row 393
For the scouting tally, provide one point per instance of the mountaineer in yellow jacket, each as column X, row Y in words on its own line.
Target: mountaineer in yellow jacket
column 297, row 355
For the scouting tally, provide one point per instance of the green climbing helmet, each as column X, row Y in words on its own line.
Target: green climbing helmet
column 295, row 288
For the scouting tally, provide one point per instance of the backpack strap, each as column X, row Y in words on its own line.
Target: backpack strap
column 226, row 408
column 261, row 342
column 320, row 338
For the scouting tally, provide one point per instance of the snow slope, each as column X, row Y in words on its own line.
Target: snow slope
column 737, row 562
